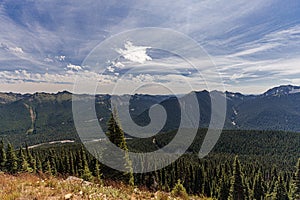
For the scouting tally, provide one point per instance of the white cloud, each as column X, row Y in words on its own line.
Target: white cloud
column 4, row 46
column 134, row 53
column 144, row 78
column 49, row 60
column 16, row 49
column 22, row 76
column 60, row 58
column 115, row 65
column 110, row 69
column 74, row 67
column 118, row 64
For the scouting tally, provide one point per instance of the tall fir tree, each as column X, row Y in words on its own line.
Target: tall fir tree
column 11, row 162
column 30, row 159
column 23, row 165
column 207, row 188
column 72, row 169
column 96, row 170
column 224, row 190
column 39, row 167
column 258, row 188
column 280, row 192
column 67, row 164
column 236, row 191
column 274, row 176
column 47, row 167
column 2, row 156
column 53, row 165
column 246, row 189
column 116, row 135
column 296, row 183
column 85, row 171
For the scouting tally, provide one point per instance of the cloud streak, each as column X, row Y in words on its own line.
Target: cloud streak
column 252, row 48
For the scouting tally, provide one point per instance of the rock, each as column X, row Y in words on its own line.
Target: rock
column 74, row 179
column 87, row 183
column 136, row 190
column 68, row 196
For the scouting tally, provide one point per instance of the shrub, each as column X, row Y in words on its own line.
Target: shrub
column 179, row 191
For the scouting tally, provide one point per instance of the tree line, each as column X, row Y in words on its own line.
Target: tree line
column 224, row 178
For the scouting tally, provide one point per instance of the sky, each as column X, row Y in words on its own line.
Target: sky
column 253, row 45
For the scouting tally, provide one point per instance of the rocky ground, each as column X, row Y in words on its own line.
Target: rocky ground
column 33, row 187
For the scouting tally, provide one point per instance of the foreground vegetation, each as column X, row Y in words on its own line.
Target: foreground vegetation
column 29, row 186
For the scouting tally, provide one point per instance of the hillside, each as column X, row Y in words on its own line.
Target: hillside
column 29, row 186
column 43, row 117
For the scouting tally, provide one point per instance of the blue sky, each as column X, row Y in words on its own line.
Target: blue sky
column 254, row 44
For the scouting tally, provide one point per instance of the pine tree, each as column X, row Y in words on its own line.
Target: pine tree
column 96, row 171
column 79, row 164
column 258, row 188
column 11, row 163
column 85, row 171
column 39, row 166
column 296, row 183
column 31, row 161
column 274, row 176
column 67, row 164
column 116, row 135
column 224, row 190
column 53, row 165
column 206, row 188
column 47, row 167
column 2, row 156
column 246, row 189
column 280, row 192
column 72, row 169
column 199, row 179
column 237, row 187
column 23, row 165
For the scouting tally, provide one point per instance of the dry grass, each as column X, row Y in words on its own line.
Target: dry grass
column 33, row 187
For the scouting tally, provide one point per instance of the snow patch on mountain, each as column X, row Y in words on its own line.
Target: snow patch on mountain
column 282, row 90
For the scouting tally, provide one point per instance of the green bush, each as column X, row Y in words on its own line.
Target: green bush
column 179, row 191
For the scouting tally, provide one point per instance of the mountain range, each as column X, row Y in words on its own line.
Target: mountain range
column 44, row 117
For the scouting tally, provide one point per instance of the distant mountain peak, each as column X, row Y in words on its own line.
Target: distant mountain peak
column 234, row 94
column 64, row 92
column 282, row 90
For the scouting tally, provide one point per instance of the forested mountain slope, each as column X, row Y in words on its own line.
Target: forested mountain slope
column 42, row 117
